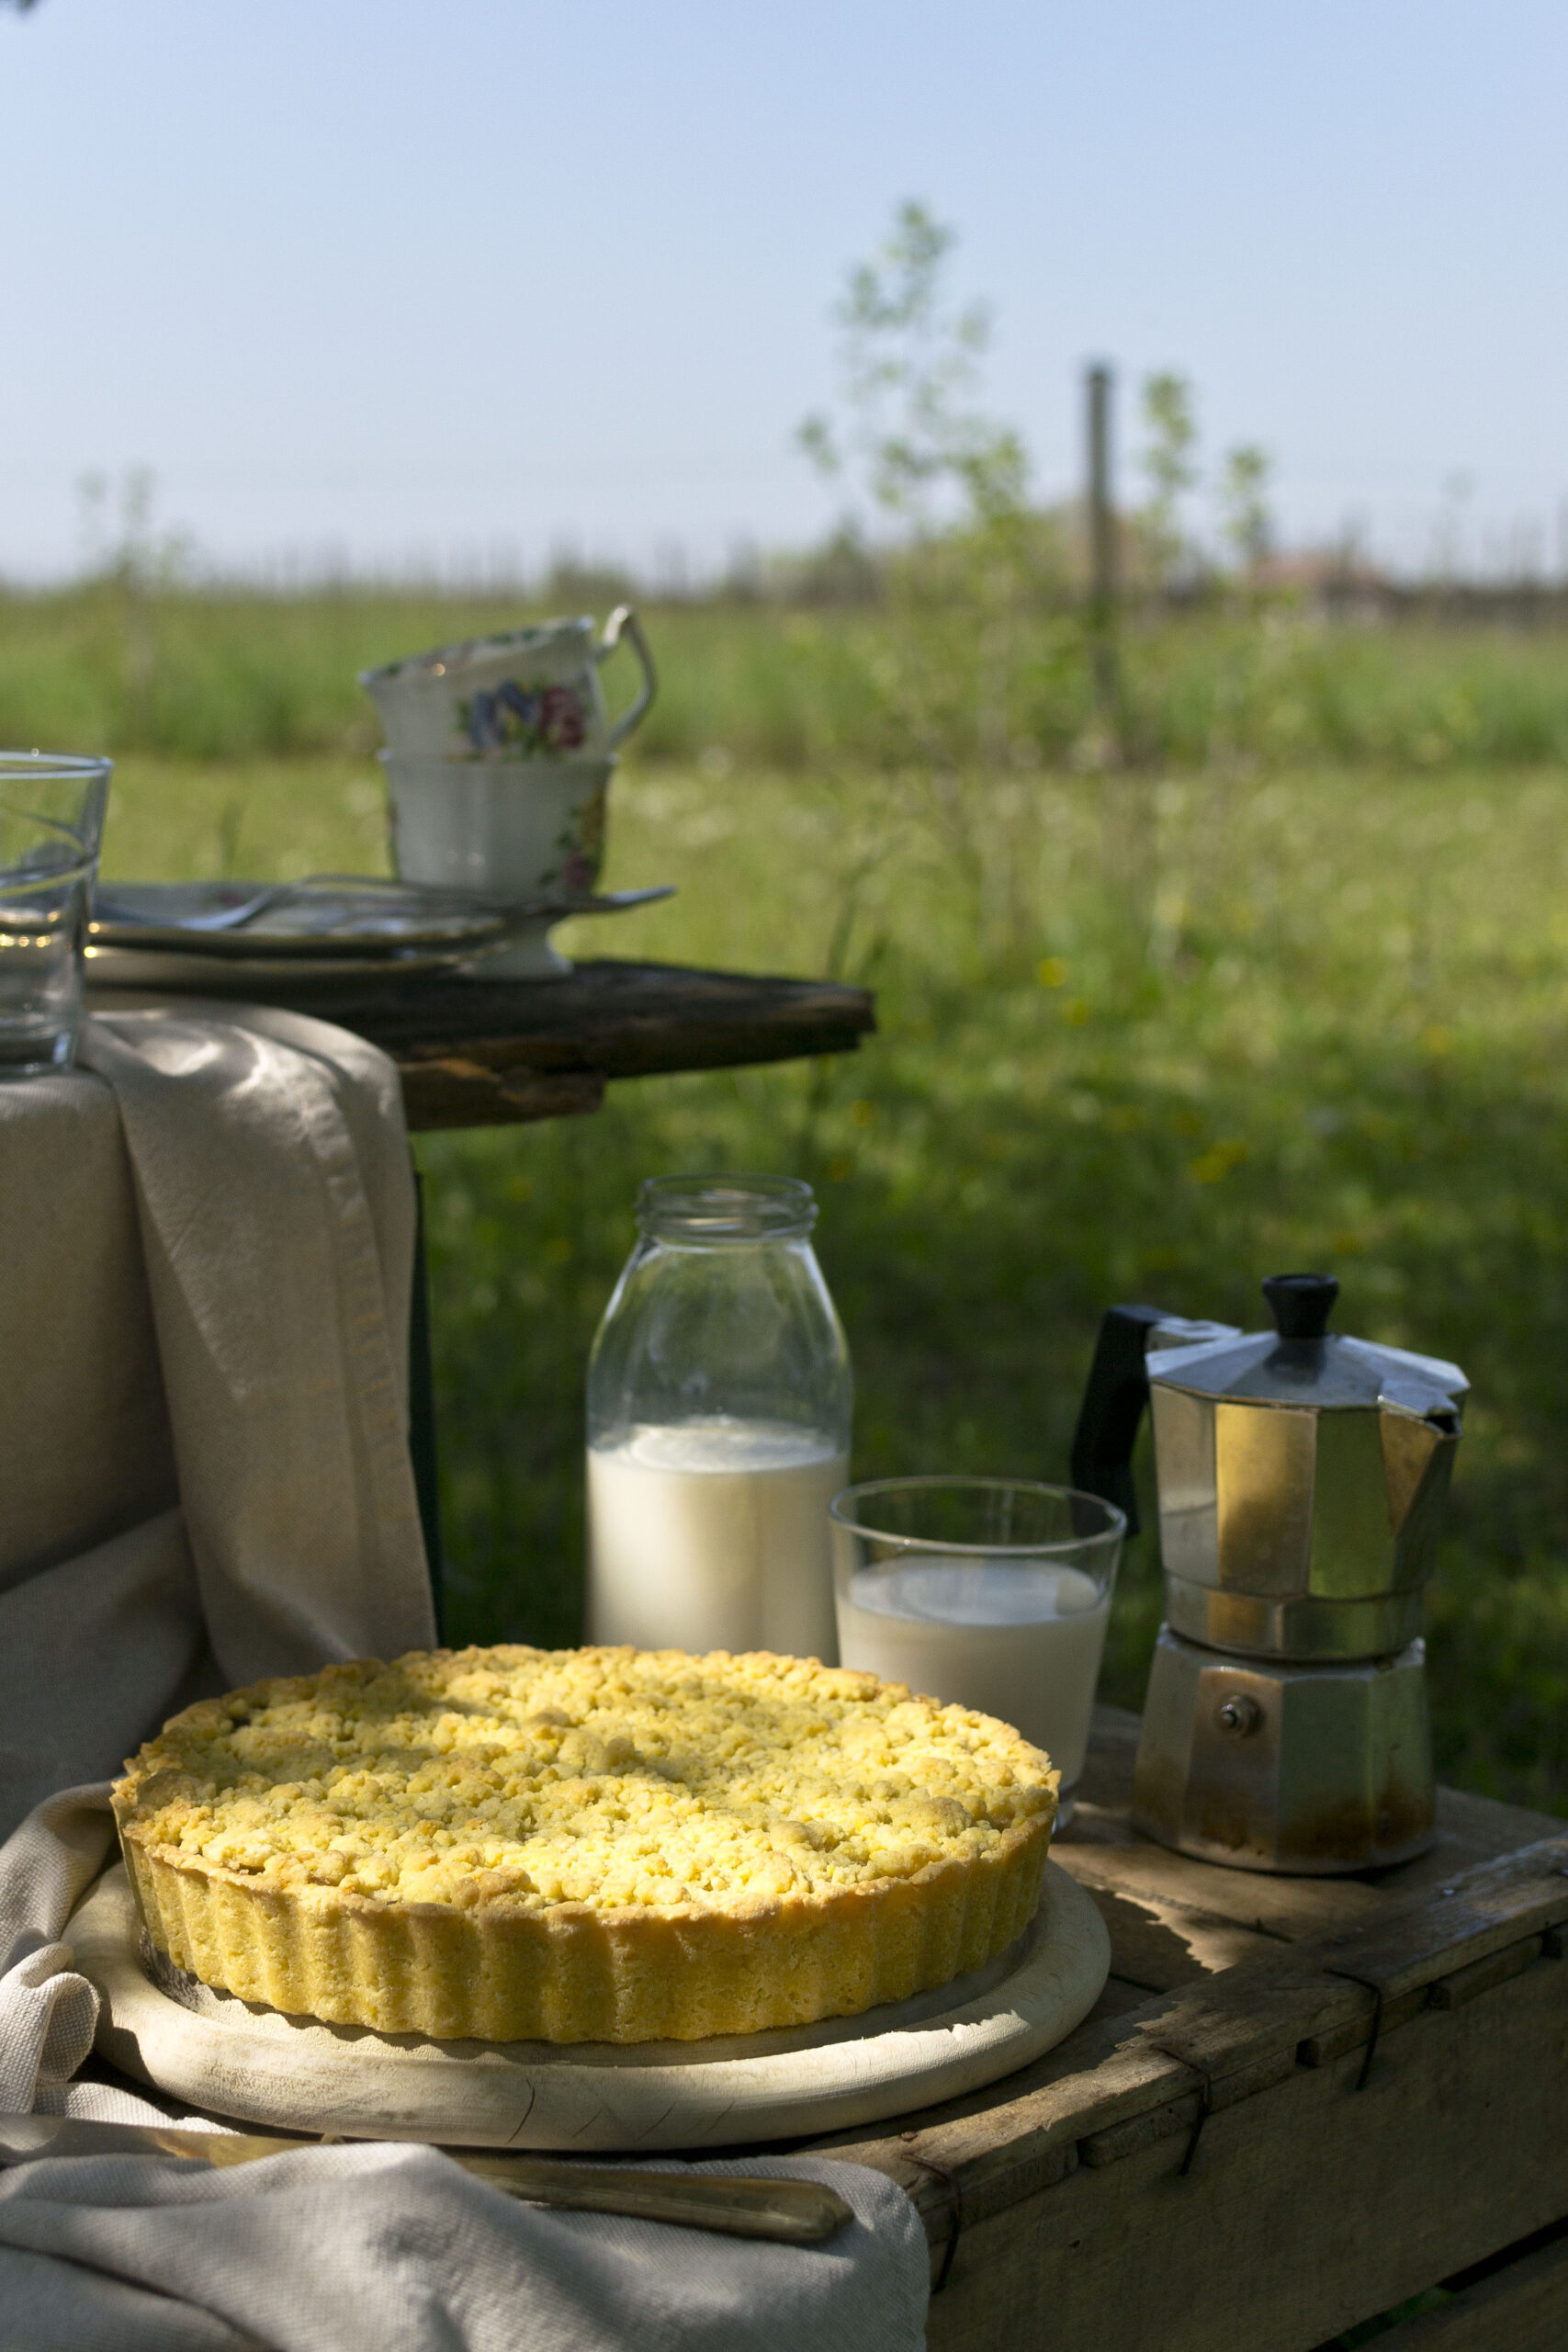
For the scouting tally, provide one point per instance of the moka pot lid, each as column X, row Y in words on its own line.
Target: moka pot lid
column 1301, row 1364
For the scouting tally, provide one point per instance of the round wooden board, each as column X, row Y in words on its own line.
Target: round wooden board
column 237, row 2059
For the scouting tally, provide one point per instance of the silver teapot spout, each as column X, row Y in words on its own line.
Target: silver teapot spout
column 1418, row 1460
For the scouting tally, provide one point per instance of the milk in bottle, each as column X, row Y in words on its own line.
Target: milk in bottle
column 719, row 1402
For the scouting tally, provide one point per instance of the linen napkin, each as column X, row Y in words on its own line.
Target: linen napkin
column 393, row 2249
column 206, row 1255
column 206, row 1251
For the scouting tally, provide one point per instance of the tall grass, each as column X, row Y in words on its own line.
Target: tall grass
column 1290, row 988
column 1196, row 1032
column 1139, row 1037
column 249, row 677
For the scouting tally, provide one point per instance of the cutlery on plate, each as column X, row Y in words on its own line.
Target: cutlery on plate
column 796, row 2212
column 106, row 906
column 438, row 900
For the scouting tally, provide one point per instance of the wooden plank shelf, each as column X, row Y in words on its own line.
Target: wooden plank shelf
column 485, row 1053
column 1300, row 2103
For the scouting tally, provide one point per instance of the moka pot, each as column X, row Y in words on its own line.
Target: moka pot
column 1302, row 1478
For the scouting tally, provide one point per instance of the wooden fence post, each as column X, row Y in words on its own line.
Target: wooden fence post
column 1104, row 567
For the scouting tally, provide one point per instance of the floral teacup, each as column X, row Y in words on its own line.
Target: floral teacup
column 532, row 693
column 505, row 830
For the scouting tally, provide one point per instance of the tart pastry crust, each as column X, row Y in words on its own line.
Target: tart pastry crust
column 600, row 1845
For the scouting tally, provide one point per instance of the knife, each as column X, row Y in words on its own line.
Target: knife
column 794, row 2212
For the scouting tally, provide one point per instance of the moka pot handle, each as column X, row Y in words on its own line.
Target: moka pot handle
column 1113, row 1401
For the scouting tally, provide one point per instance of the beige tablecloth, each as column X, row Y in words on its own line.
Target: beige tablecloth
column 206, row 1246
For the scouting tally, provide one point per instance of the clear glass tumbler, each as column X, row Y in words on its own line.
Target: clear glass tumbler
column 991, row 1593
column 719, row 1402
column 52, row 821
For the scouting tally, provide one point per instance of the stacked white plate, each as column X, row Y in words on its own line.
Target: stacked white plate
column 234, row 938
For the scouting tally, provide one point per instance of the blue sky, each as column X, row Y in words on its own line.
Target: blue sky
column 406, row 282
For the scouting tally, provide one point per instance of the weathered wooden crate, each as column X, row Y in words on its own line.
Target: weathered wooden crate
column 1300, row 2103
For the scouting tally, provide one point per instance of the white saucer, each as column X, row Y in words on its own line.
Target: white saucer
column 328, row 930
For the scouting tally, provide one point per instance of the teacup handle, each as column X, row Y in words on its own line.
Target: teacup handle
column 624, row 622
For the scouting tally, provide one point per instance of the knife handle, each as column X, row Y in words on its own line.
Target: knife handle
column 794, row 2212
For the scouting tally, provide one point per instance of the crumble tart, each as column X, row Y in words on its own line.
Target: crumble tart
column 595, row 1844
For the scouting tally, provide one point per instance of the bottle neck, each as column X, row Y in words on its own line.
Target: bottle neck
column 725, row 1212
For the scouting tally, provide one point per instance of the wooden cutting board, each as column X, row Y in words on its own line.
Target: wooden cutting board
column 239, row 2059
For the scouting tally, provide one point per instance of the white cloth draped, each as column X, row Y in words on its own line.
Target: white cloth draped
column 392, row 2249
column 206, row 1257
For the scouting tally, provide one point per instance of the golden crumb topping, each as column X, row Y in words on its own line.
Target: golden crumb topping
column 612, row 1778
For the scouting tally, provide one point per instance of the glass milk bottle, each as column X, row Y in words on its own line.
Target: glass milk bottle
column 719, row 1401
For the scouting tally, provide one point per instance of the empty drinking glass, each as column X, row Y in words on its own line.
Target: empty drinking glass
column 52, row 821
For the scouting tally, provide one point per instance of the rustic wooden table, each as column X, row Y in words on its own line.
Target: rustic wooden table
column 485, row 1053
column 1300, row 2103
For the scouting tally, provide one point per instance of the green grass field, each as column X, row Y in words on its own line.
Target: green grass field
column 1151, row 1035
column 237, row 678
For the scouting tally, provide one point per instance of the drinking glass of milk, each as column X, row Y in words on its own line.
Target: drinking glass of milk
column 719, row 1401
column 991, row 1593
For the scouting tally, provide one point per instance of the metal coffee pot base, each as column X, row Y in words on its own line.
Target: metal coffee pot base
column 1268, row 1765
